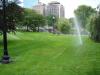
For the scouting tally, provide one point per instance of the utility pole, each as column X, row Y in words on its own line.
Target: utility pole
column 5, row 58
column 53, row 24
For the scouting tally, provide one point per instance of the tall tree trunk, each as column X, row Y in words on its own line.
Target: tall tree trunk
column 27, row 28
column 38, row 29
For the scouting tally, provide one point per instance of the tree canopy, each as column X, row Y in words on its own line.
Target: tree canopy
column 32, row 20
column 63, row 25
column 50, row 20
column 94, row 27
column 13, row 14
column 82, row 13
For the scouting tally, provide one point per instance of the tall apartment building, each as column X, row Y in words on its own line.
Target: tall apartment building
column 40, row 8
column 55, row 8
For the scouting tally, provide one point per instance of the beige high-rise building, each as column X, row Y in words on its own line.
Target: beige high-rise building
column 55, row 8
column 40, row 8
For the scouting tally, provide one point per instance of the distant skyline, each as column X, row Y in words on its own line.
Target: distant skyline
column 70, row 5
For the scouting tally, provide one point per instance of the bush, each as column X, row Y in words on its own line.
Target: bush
column 65, row 29
column 64, row 26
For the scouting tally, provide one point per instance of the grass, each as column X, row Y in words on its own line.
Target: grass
column 48, row 54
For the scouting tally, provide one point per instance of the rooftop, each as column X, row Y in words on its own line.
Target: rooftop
column 54, row 2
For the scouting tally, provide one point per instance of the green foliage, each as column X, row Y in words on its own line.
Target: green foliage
column 32, row 20
column 64, row 25
column 27, row 19
column 71, row 21
column 82, row 13
column 13, row 15
column 39, row 21
column 50, row 20
column 94, row 27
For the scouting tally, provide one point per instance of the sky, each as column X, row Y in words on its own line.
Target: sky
column 70, row 5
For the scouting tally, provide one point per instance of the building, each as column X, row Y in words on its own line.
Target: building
column 55, row 8
column 40, row 8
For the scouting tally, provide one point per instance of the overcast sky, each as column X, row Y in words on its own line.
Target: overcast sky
column 70, row 5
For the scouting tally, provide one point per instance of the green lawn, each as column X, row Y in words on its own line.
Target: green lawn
column 48, row 54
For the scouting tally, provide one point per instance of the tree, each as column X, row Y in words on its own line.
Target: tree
column 82, row 13
column 32, row 20
column 95, row 27
column 27, row 19
column 63, row 25
column 13, row 15
column 50, row 20
column 39, row 21
column 71, row 21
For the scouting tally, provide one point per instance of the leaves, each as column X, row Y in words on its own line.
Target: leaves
column 63, row 25
column 82, row 13
column 95, row 27
column 32, row 20
column 13, row 15
column 50, row 19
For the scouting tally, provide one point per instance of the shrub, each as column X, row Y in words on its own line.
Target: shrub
column 64, row 26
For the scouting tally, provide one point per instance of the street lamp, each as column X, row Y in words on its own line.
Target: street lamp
column 53, row 24
column 5, row 58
